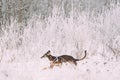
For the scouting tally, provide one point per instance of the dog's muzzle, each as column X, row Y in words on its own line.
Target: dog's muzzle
column 42, row 57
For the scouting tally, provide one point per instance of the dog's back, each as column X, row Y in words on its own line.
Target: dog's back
column 68, row 58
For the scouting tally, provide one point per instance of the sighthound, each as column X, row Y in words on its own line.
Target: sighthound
column 58, row 60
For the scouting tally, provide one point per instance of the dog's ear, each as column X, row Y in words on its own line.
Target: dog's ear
column 48, row 51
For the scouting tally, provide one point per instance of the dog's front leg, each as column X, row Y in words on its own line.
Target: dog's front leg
column 52, row 65
column 45, row 68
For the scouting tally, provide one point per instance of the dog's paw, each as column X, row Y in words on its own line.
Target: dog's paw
column 44, row 68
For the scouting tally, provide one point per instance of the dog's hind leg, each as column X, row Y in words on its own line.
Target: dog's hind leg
column 75, row 63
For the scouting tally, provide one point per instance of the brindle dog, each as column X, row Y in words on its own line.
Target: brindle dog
column 60, row 59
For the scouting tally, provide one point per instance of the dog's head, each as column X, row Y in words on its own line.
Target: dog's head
column 46, row 54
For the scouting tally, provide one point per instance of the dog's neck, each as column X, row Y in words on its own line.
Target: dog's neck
column 50, row 57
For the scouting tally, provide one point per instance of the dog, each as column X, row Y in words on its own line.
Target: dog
column 58, row 60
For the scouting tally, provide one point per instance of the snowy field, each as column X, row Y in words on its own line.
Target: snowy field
column 92, row 68
column 98, row 34
column 95, row 68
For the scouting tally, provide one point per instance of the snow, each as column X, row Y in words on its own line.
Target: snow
column 94, row 68
column 99, row 35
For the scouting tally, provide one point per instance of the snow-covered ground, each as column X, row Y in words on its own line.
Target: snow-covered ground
column 98, row 33
column 94, row 68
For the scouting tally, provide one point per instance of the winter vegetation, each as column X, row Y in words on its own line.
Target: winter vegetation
column 29, row 28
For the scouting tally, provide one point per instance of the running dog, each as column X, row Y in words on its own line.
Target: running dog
column 58, row 60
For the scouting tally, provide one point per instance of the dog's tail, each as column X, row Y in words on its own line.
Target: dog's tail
column 82, row 57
